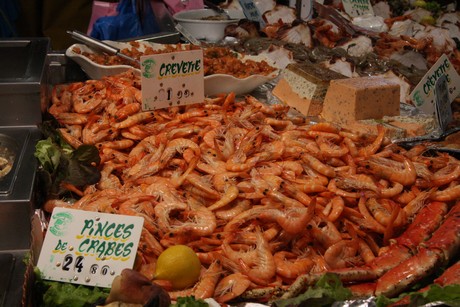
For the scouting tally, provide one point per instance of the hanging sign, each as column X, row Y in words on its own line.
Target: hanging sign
column 172, row 79
column 356, row 8
column 423, row 95
column 88, row 248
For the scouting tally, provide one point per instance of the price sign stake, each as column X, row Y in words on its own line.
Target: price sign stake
column 443, row 104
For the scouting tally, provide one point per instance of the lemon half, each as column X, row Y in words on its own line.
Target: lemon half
column 180, row 265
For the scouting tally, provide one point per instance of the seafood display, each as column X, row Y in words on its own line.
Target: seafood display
column 400, row 47
column 268, row 200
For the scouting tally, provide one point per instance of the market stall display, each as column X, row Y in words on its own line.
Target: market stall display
column 231, row 173
column 269, row 199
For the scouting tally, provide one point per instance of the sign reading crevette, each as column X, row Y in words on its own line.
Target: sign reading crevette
column 172, row 79
column 89, row 248
column 356, row 8
column 424, row 94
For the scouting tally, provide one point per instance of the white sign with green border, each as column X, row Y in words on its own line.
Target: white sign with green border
column 356, row 8
column 172, row 79
column 424, row 97
column 89, row 248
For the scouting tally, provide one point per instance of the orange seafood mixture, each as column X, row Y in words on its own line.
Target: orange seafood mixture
column 268, row 201
column 219, row 60
column 135, row 51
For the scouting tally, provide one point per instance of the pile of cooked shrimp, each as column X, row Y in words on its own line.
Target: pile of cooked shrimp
column 262, row 195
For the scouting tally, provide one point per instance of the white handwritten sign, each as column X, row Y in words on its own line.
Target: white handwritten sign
column 251, row 12
column 89, row 248
column 172, row 79
column 356, row 8
column 423, row 96
column 305, row 9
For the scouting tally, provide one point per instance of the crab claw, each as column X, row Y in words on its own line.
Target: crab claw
column 407, row 273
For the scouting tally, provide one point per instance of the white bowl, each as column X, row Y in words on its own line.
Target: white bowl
column 221, row 83
column 213, row 84
column 203, row 29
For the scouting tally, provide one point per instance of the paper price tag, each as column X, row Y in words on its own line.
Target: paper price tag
column 89, row 248
column 356, row 8
column 423, row 95
column 172, row 79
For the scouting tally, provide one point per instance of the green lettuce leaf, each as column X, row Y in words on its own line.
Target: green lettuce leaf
column 56, row 294
column 48, row 154
column 448, row 295
column 70, row 295
column 326, row 291
column 60, row 163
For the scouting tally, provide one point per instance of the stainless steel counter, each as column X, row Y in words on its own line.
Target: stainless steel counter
column 23, row 84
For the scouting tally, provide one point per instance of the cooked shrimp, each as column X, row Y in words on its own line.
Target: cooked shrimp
column 134, row 119
column 338, row 205
column 69, row 139
column 403, row 172
column 446, row 174
column 71, row 118
column 452, row 192
column 232, row 210
column 374, row 146
column 127, row 110
column 205, row 287
column 230, row 194
column 231, row 286
column 84, row 100
column 318, row 166
column 341, row 254
column 293, row 220
column 264, row 268
column 290, row 265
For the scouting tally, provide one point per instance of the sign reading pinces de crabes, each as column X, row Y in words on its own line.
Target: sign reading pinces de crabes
column 88, row 248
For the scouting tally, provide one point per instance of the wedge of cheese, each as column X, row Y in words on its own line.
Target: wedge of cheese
column 304, row 86
column 416, row 125
column 352, row 99
column 396, row 127
column 368, row 129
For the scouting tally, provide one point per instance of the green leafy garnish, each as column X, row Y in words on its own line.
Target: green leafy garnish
column 326, row 291
column 448, row 295
column 69, row 295
column 60, row 163
column 189, row 301
column 57, row 294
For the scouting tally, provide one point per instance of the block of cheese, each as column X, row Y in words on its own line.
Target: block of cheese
column 303, row 87
column 352, row 99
